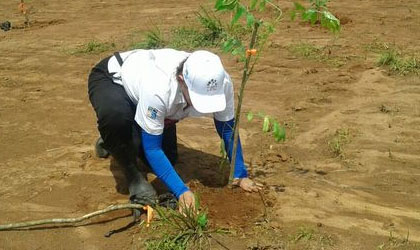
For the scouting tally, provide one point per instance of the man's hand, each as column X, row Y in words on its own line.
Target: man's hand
column 186, row 201
column 247, row 184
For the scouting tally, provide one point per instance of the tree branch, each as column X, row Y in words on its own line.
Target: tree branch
column 70, row 220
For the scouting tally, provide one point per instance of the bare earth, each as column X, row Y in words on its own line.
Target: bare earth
column 47, row 130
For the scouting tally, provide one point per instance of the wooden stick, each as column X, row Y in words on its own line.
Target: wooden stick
column 245, row 77
column 70, row 220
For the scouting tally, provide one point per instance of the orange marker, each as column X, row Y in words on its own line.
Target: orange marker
column 251, row 52
column 22, row 7
column 149, row 211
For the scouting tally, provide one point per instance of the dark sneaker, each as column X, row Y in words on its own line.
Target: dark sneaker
column 168, row 200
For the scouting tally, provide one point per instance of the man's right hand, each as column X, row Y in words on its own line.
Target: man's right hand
column 186, row 201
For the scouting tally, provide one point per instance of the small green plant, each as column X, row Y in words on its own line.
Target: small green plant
column 336, row 144
column 269, row 125
column 93, row 47
column 189, row 230
column 317, row 13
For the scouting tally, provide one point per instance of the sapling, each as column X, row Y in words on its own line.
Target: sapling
column 317, row 13
column 261, row 30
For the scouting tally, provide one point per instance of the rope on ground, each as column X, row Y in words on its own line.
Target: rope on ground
column 70, row 220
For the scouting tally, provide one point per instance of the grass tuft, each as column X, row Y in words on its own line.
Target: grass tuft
column 154, row 40
column 207, row 32
column 398, row 243
column 399, row 64
column 93, row 47
column 336, row 144
column 182, row 231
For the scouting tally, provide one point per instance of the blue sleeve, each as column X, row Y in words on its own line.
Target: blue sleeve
column 225, row 131
column 152, row 145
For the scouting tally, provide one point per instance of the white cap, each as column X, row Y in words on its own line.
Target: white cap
column 204, row 75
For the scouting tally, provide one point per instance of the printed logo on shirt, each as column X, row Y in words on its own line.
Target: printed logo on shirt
column 212, row 85
column 152, row 113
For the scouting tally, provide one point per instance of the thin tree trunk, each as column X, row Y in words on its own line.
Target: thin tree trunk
column 245, row 77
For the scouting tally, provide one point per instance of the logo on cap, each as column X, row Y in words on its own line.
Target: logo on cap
column 211, row 85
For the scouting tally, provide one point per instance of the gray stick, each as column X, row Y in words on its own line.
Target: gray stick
column 69, row 220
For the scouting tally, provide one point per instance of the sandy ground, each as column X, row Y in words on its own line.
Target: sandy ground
column 47, row 130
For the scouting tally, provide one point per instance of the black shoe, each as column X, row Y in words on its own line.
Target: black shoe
column 168, row 200
column 146, row 197
column 6, row 26
column 100, row 151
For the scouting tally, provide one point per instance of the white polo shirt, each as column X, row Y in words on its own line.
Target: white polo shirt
column 148, row 77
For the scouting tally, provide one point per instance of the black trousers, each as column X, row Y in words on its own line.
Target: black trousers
column 115, row 113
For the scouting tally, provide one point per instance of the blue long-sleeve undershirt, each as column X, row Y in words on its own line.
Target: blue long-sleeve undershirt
column 225, row 131
column 161, row 166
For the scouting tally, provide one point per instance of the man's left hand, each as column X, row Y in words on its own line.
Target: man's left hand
column 247, row 184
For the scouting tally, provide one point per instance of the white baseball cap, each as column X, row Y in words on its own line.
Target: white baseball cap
column 204, row 75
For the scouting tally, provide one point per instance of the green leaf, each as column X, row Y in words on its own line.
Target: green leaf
column 228, row 45
column 226, row 5
column 240, row 10
column 250, row 116
column 310, row 15
column 279, row 132
column 219, row 4
column 266, row 124
column 329, row 21
column 253, row 4
column 202, row 220
column 250, row 19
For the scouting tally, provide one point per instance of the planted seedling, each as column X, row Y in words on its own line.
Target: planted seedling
column 317, row 13
column 261, row 30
